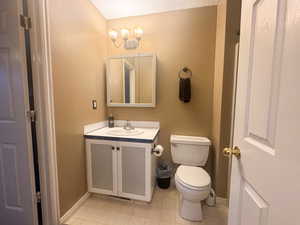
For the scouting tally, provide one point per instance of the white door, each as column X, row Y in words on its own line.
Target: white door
column 17, row 206
column 265, row 184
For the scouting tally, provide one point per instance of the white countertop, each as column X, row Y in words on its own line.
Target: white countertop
column 148, row 135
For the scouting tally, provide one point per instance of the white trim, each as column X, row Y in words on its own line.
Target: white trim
column 43, row 92
column 148, row 169
column 235, row 72
column 43, row 87
column 49, row 117
column 74, row 208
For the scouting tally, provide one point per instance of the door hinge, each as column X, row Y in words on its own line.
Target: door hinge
column 25, row 22
column 31, row 115
column 38, row 197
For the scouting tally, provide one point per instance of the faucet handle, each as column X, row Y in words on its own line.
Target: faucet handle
column 128, row 126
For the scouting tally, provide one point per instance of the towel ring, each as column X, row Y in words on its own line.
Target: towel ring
column 186, row 71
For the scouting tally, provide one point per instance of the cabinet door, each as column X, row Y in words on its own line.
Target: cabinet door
column 134, row 178
column 101, row 167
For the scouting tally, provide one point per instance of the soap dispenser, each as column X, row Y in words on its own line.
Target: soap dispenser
column 111, row 121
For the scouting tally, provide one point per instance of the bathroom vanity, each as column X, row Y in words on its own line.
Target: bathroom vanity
column 121, row 162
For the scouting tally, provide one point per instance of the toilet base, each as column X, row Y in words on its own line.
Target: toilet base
column 190, row 210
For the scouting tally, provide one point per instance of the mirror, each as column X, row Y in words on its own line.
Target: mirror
column 131, row 81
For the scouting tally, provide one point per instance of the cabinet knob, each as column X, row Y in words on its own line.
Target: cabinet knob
column 112, row 147
column 118, row 149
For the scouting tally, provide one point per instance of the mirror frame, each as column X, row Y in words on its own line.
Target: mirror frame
column 108, row 79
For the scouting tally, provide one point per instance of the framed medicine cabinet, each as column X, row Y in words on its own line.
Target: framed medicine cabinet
column 131, row 80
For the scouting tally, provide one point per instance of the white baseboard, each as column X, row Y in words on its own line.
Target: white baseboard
column 71, row 211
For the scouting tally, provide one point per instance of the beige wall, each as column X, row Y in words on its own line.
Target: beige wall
column 228, row 25
column 180, row 38
column 78, row 35
column 217, row 99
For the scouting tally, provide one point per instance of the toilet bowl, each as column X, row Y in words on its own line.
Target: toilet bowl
column 192, row 182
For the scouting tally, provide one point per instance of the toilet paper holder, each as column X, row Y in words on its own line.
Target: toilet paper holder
column 153, row 150
column 157, row 150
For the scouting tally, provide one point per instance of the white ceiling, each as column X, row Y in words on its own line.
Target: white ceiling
column 112, row 9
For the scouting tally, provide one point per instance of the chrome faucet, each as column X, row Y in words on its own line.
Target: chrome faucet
column 128, row 126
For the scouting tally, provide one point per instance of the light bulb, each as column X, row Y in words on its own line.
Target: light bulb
column 125, row 34
column 138, row 32
column 113, row 35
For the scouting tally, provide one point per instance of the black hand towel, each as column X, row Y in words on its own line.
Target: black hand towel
column 185, row 89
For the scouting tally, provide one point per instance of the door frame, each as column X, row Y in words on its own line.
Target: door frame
column 235, row 72
column 44, row 105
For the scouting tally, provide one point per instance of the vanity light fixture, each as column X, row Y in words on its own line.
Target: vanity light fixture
column 125, row 34
column 113, row 35
column 138, row 32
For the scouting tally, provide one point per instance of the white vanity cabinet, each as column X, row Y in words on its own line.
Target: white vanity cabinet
column 125, row 169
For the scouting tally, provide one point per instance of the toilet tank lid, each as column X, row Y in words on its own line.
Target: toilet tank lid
column 192, row 140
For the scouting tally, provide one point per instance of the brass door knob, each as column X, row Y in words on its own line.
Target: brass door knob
column 232, row 151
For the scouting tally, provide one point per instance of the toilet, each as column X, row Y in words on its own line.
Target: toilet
column 192, row 181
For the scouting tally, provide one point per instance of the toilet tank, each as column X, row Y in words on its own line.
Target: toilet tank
column 189, row 150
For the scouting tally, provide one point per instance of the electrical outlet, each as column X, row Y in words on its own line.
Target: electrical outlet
column 94, row 104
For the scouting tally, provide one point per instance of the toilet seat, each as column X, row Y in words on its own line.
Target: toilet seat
column 193, row 177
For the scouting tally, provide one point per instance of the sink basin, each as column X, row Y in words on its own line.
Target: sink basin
column 123, row 132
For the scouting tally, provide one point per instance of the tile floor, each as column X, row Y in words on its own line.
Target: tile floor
column 163, row 210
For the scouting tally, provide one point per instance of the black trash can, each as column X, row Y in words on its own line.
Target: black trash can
column 163, row 183
column 163, row 175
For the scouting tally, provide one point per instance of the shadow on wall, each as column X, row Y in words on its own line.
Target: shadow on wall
column 210, row 165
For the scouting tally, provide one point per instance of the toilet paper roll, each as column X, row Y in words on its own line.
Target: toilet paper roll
column 158, row 150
